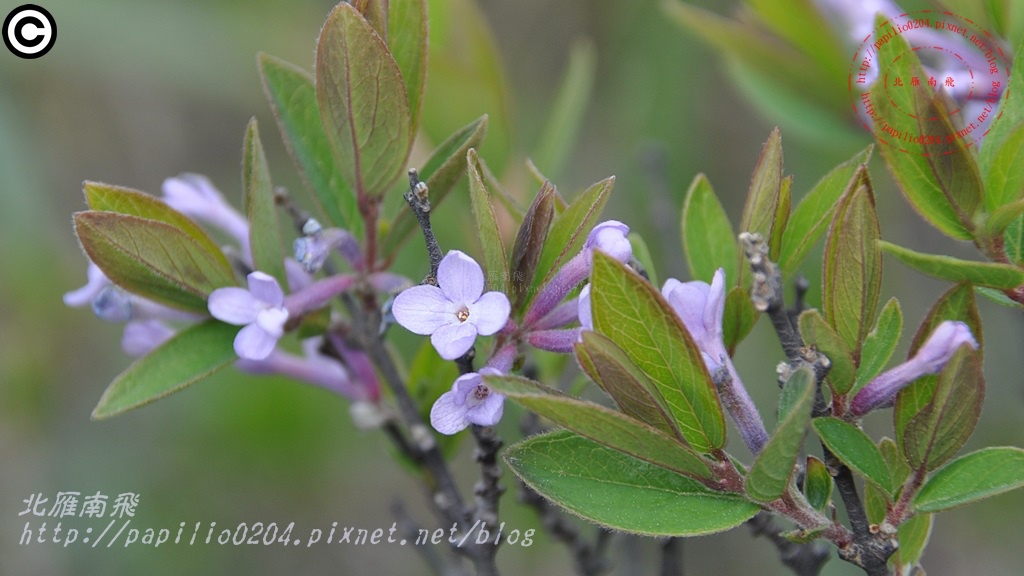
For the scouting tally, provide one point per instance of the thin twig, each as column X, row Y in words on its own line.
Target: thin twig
column 409, row 531
column 803, row 559
column 418, row 198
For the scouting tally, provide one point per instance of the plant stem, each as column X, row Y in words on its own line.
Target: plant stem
column 418, row 199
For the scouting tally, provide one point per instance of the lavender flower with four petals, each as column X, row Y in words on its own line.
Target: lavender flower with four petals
column 260, row 309
column 940, row 347
column 455, row 311
column 469, row 401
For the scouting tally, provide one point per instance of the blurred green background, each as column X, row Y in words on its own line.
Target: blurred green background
column 137, row 91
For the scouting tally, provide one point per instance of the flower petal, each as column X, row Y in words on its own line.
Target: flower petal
column 234, row 305
column 142, row 336
column 488, row 412
column 82, row 296
column 265, row 288
column 253, row 343
column 272, row 321
column 714, row 308
column 586, row 317
column 490, row 313
column 460, row 278
column 446, row 417
column 688, row 300
column 610, row 237
column 453, row 340
column 423, row 309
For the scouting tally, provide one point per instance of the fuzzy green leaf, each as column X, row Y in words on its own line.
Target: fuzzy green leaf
column 770, row 474
column 817, row 484
column 442, row 170
column 853, row 447
column 292, row 97
column 570, row 228
column 612, row 429
column 621, row 492
column 761, row 209
column 363, row 102
column 880, row 343
column 814, row 213
column 264, row 229
column 1002, row 155
column 1013, row 240
column 941, row 427
column 972, row 477
column 991, row 274
column 530, row 240
column 634, row 393
column 815, row 330
column 407, row 41
column 738, row 319
column 708, row 237
column 486, row 227
column 107, row 198
column 152, row 259
column 193, row 354
column 632, row 313
column 941, row 178
column 852, row 273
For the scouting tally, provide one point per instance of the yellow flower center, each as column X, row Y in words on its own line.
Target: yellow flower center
column 462, row 314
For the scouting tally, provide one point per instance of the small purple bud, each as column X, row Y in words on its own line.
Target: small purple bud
column 112, row 305
column 559, row 341
column 612, row 238
column 930, row 358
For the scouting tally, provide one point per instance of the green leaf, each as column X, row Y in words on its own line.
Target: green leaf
column 193, row 354
column 999, row 220
column 913, row 536
column 407, row 41
column 530, row 239
column 782, row 213
column 634, row 393
column 853, row 447
column 442, row 170
column 991, row 274
column 770, row 475
column 941, row 427
column 880, row 343
column 264, row 230
column 899, row 471
column 107, row 198
column 486, row 227
column 567, row 112
column 363, row 103
column 612, row 429
column 292, row 97
column 1002, row 156
column 621, row 492
column 816, row 331
column 708, row 238
column 998, row 297
column 569, row 230
column 1003, row 173
column 852, row 271
column 941, row 180
column 152, row 259
column 738, row 319
column 761, row 209
column 802, row 24
column 376, row 14
column 632, row 313
column 817, row 484
column 813, row 214
column 972, row 477
column 1014, row 241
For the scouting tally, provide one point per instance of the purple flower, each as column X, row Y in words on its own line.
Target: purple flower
column 469, row 401
column 97, row 281
column 315, row 368
column 316, row 244
column 141, row 337
column 260, row 309
column 611, row 237
column 454, row 311
column 700, row 306
column 586, row 317
column 196, row 197
column 930, row 358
